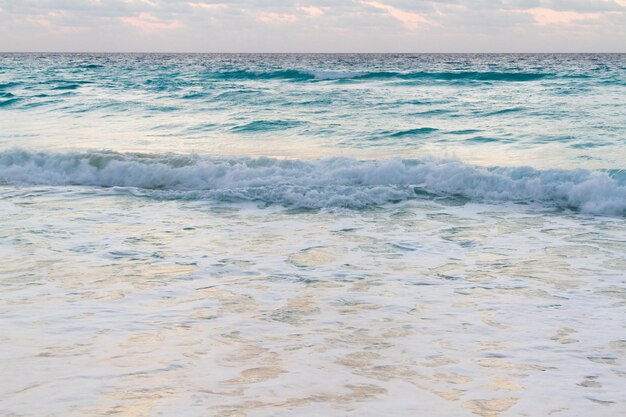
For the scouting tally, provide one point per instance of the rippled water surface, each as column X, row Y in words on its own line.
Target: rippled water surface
column 339, row 235
column 540, row 110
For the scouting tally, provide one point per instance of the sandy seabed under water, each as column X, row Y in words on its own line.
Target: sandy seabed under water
column 117, row 305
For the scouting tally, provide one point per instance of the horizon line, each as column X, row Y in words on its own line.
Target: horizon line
column 315, row 53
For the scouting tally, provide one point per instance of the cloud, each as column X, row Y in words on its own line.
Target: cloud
column 273, row 18
column 313, row 11
column 146, row 2
column 314, row 25
column 208, row 6
column 50, row 23
column 150, row 23
column 545, row 17
column 410, row 20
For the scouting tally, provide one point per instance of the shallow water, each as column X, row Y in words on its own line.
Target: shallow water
column 383, row 259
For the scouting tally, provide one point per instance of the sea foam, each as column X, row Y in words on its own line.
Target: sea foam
column 322, row 183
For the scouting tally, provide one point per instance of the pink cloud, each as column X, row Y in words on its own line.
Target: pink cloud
column 410, row 20
column 208, row 6
column 545, row 17
column 146, row 2
column 273, row 18
column 52, row 22
column 312, row 10
column 150, row 23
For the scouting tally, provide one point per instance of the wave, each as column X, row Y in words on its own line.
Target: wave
column 459, row 75
column 464, row 132
column 324, row 183
column 90, row 66
column 486, row 139
column 9, row 84
column 67, row 87
column 263, row 75
column 505, row 111
column 311, row 75
column 265, row 125
column 9, row 101
column 335, row 75
column 413, row 132
column 195, row 95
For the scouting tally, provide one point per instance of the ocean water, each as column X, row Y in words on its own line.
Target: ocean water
column 338, row 235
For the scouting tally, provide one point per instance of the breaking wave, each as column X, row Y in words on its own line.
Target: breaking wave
column 324, row 183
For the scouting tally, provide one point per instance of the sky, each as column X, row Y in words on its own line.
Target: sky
column 313, row 26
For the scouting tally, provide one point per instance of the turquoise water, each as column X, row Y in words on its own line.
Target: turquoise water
column 268, row 235
column 556, row 113
column 539, row 110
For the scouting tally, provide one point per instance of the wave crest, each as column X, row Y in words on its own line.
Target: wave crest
column 333, row 182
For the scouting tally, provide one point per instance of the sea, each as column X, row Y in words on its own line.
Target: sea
column 273, row 235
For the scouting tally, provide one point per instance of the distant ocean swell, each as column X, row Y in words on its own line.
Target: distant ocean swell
column 302, row 75
column 324, row 183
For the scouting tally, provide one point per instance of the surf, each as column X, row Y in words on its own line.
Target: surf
column 320, row 183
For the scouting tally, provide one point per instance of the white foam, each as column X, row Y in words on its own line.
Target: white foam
column 333, row 182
